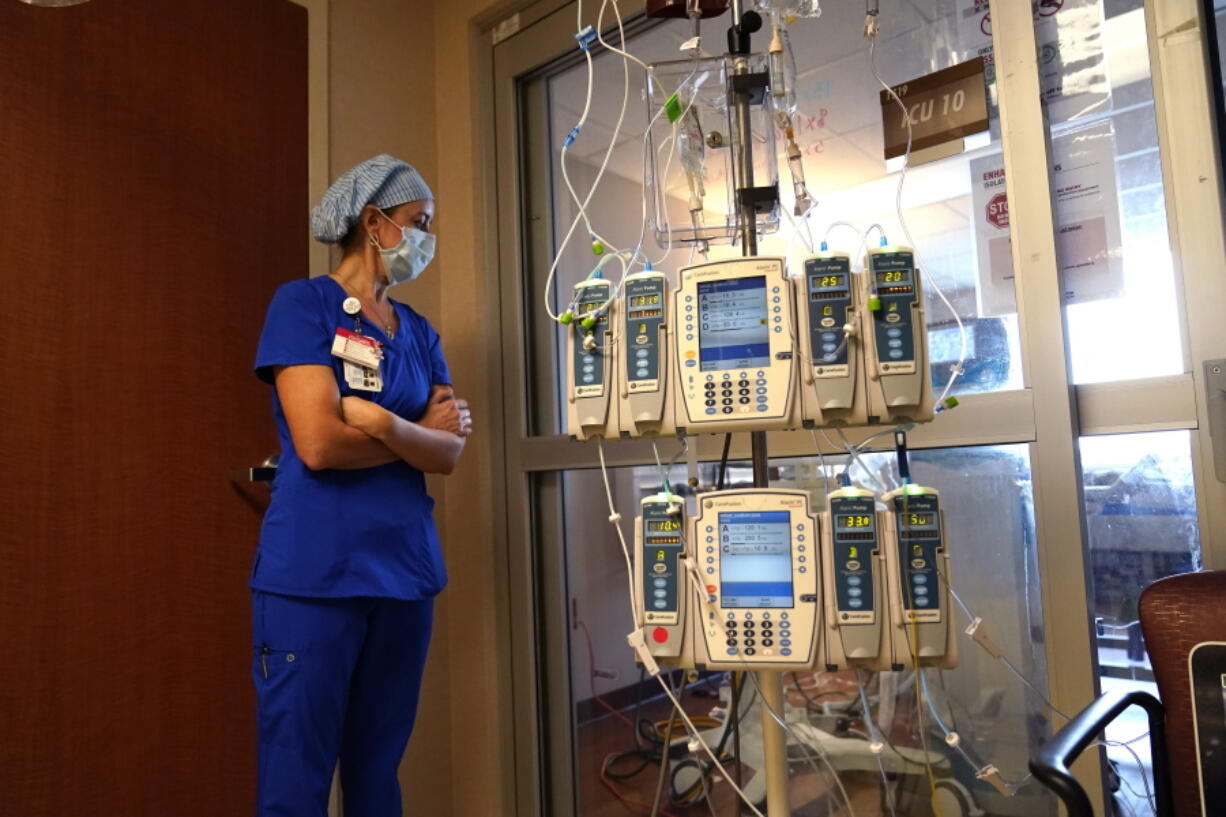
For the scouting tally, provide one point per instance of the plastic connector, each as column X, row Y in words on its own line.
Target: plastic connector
column 672, row 108
column 615, row 517
column 825, row 246
column 952, row 740
column 566, row 318
column 876, row 747
column 585, row 37
column 571, row 137
column 874, row 304
column 979, row 635
column 597, row 247
column 589, row 343
column 638, row 643
column 991, row 774
column 588, row 323
column 950, row 402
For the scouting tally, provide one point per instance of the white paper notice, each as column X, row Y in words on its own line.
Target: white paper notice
column 1072, row 67
column 1087, row 217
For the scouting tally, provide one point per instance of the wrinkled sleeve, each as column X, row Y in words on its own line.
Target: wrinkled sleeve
column 295, row 331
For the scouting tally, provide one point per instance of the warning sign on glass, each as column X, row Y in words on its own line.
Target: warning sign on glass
column 943, row 106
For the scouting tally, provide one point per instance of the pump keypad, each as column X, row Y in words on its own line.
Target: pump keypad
column 750, row 636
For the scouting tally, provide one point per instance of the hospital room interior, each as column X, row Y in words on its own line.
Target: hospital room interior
column 613, row 408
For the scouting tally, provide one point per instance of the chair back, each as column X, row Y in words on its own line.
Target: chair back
column 1178, row 614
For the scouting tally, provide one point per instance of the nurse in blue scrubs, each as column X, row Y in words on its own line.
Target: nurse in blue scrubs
column 349, row 560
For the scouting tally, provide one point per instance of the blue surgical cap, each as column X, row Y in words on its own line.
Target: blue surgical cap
column 383, row 181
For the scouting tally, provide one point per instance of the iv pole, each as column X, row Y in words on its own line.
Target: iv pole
column 770, row 683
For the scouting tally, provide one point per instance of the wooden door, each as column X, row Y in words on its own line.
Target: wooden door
column 153, row 161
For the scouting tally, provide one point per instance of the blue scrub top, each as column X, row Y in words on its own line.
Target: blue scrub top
column 361, row 532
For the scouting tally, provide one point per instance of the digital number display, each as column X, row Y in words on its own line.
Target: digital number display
column 852, row 521
column 901, row 276
column 919, row 519
column 645, row 300
column 853, row 552
column 663, row 524
column 583, row 309
column 828, row 281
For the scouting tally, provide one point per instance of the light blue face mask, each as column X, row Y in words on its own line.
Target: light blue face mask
column 406, row 260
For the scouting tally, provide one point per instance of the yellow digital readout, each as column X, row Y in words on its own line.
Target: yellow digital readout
column 583, row 309
column 663, row 524
column 919, row 519
column 644, row 300
column 854, row 521
column 853, row 552
column 891, row 277
column 827, row 311
column 830, row 281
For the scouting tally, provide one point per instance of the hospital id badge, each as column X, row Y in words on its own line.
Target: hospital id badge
column 358, row 349
column 361, row 378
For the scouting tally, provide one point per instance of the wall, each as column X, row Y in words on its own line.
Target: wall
column 480, row 693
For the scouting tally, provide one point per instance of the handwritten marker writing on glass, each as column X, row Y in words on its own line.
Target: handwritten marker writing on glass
column 352, row 306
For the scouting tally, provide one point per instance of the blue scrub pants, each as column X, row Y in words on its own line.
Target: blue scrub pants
column 335, row 678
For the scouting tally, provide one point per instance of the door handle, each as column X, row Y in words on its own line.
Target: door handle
column 264, row 472
column 1215, row 398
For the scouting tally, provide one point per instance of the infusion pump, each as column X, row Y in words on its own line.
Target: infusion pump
column 660, row 580
column 644, row 390
column 591, row 363
column 917, row 575
column 895, row 338
column 855, row 631
column 829, row 307
column 734, row 330
column 740, row 346
column 757, row 580
column 757, row 555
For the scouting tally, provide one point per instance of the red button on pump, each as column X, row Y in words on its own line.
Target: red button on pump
column 660, row 635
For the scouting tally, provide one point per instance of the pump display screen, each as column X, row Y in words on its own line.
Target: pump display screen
column 645, row 300
column 901, row 276
column 755, row 563
column 666, row 525
column 853, row 521
column 583, row 309
column 733, row 323
column 920, row 520
column 827, row 287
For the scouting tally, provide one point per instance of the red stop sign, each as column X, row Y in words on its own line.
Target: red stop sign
column 998, row 211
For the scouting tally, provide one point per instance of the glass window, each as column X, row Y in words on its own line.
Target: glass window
column 1112, row 241
column 985, row 492
column 1142, row 525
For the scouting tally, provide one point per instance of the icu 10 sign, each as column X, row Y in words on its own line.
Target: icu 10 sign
column 942, row 106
